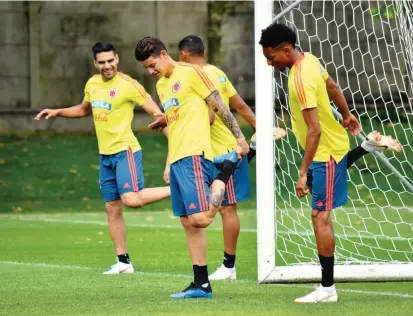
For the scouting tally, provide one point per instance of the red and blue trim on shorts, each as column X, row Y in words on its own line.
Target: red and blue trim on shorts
column 329, row 184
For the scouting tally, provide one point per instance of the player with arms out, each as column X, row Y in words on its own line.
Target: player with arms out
column 186, row 94
column 111, row 97
column 324, row 140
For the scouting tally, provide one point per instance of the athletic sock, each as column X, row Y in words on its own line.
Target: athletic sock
column 229, row 260
column 327, row 270
column 124, row 258
column 201, row 276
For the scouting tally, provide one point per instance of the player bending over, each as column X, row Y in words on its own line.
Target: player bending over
column 186, row 93
column 323, row 139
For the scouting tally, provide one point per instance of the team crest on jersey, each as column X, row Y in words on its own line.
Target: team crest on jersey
column 176, row 86
column 112, row 93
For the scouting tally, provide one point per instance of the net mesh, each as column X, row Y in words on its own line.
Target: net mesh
column 367, row 48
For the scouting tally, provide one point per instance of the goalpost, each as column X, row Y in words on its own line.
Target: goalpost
column 367, row 47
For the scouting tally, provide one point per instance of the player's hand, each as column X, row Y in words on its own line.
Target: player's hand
column 352, row 124
column 46, row 114
column 242, row 148
column 159, row 123
column 166, row 173
column 301, row 189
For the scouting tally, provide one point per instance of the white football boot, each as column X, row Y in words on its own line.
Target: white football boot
column 119, row 268
column 278, row 134
column 377, row 142
column 320, row 295
column 224, row 273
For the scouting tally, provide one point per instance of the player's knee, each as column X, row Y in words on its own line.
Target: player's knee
column 113, row 209
column 320, row 218
column 200, row 220
column 186, row 223
column 132, row 200
column 228, row 211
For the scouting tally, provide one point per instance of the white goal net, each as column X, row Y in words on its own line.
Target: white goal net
column 367, row 47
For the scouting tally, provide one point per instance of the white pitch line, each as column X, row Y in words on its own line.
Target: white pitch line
column 170, row 275
column 244, row 230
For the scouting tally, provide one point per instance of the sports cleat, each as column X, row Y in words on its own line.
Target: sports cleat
column 194, row 291
column 224, row 273
column 320, row 295
column 278, row 134
column 119, row 268
column 377, row 142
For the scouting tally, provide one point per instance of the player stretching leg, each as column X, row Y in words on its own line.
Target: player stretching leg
column 111, row 97
column 191, row 50
column 324, row 140
column 186, row 92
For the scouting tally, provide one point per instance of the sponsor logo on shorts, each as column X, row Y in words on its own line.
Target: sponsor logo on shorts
column 126, row 186
column 319, row 203
column 192, row 206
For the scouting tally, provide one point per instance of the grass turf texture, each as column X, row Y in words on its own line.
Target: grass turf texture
column 60, row 264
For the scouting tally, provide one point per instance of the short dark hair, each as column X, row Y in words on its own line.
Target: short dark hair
column 100, row 47
column 276, row 34
column 148, row 46
column 192, row 44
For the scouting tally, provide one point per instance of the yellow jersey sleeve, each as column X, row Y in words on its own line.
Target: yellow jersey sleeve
column 305, row 87
column 87, row 92
column 201, row 83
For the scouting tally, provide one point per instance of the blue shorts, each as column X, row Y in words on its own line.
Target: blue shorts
column 120, row 173
column 329, row 184
column 238, row 188
column 190, row 179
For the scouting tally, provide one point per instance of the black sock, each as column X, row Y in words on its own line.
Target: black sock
column 124, row 258
column 251, row 154
column 354, row 154
column 229, row 260
column 200, row 274
column 226, row 169
column 327, row 270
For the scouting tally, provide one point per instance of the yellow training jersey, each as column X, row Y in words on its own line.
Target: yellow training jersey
column 222, row 140
column 183, row 97
column 307, row 89
column 112, row 104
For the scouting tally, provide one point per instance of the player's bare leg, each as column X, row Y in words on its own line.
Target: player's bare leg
column 145, row 196
column 324, row 234
column 197, row 245
column 117, row 230
column 216, row 195
column 231, row 229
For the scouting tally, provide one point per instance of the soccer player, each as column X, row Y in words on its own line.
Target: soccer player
column 324, row 140
column 186, row 94
column 111, row 97
column 191, row 50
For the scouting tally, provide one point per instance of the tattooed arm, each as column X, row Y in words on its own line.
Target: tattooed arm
column 215, row 102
